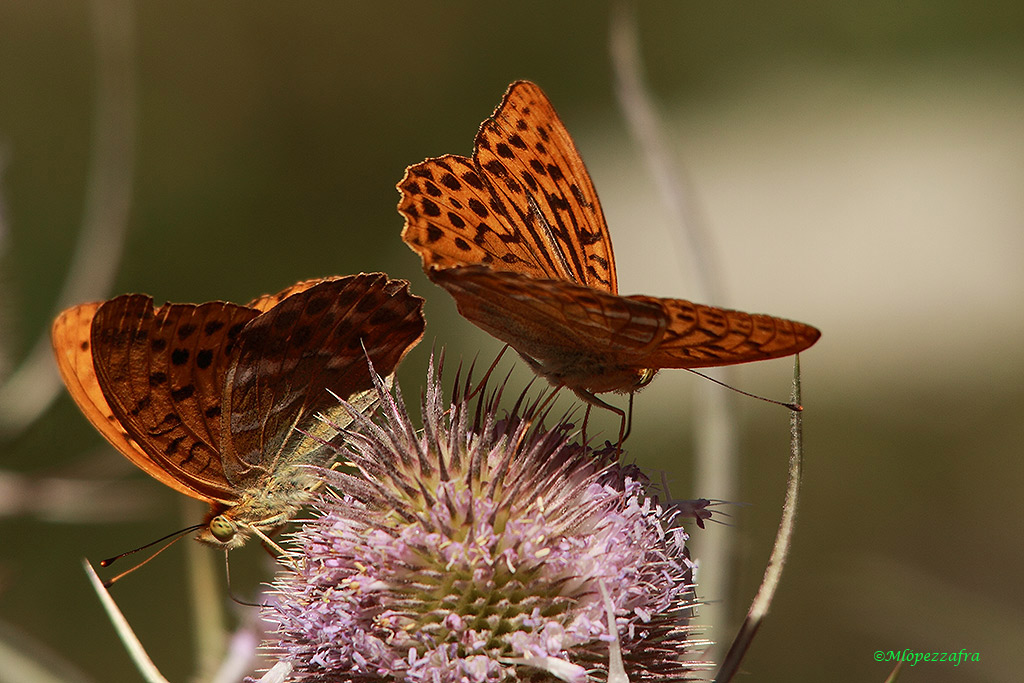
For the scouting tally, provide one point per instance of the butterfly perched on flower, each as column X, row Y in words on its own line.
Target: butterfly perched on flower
column 516, row 235
column 226, row 403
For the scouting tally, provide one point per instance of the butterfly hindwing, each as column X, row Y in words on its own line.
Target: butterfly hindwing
column 568, row 331
column 162, row 372
column 72, row 344
column 454, row 217
column 698, row 336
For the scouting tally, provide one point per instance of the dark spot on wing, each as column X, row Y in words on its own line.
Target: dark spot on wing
column 384, row 315
column 284, row 319
column 477, row 207
column 367, row 303
column 451, row 182
column 496, row 168
column 183, row 393
column 301, row 335
column 456, row 220
column 430, row 208
column 317, row 305
column 204, row 358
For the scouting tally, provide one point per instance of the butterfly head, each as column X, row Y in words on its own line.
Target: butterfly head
column 259, row 512
column 223, row 531
column 230, row 527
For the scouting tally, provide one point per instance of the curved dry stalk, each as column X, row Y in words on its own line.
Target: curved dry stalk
column 780, row 550
column 34, row 384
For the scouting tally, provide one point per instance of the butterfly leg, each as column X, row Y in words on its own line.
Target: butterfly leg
column 593, row 400
column 624, row 433
column 586, row 418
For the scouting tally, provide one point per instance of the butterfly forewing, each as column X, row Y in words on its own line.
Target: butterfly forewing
column 162, row 372
column 524, row 203
column 267, row 301
column 576, row 336
column 534, row 167
column 548, row 319
column 292, row 359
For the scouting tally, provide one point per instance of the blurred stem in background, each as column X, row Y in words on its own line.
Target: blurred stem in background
column 715, row 422
column 34, row 384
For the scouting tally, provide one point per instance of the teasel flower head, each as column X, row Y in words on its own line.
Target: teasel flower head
column 483, row 547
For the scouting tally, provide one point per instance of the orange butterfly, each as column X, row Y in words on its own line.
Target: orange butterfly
column 516, row 235
column 224, row 403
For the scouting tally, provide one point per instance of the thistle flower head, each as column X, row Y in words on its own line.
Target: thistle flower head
column 483, row 547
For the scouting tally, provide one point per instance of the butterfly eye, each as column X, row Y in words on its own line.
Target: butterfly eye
column 644, row 377
column 222, row 528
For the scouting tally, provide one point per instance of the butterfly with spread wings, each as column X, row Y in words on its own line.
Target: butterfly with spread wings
column 516, row 235
column 227, row 403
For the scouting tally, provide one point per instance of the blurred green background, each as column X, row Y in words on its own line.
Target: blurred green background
column 859, row 166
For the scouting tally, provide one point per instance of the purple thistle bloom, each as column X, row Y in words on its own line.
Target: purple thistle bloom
column 481, row 549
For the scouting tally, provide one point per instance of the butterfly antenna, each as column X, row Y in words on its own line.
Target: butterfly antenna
column 483, row 382
column 795, row 407
column 173, row 536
